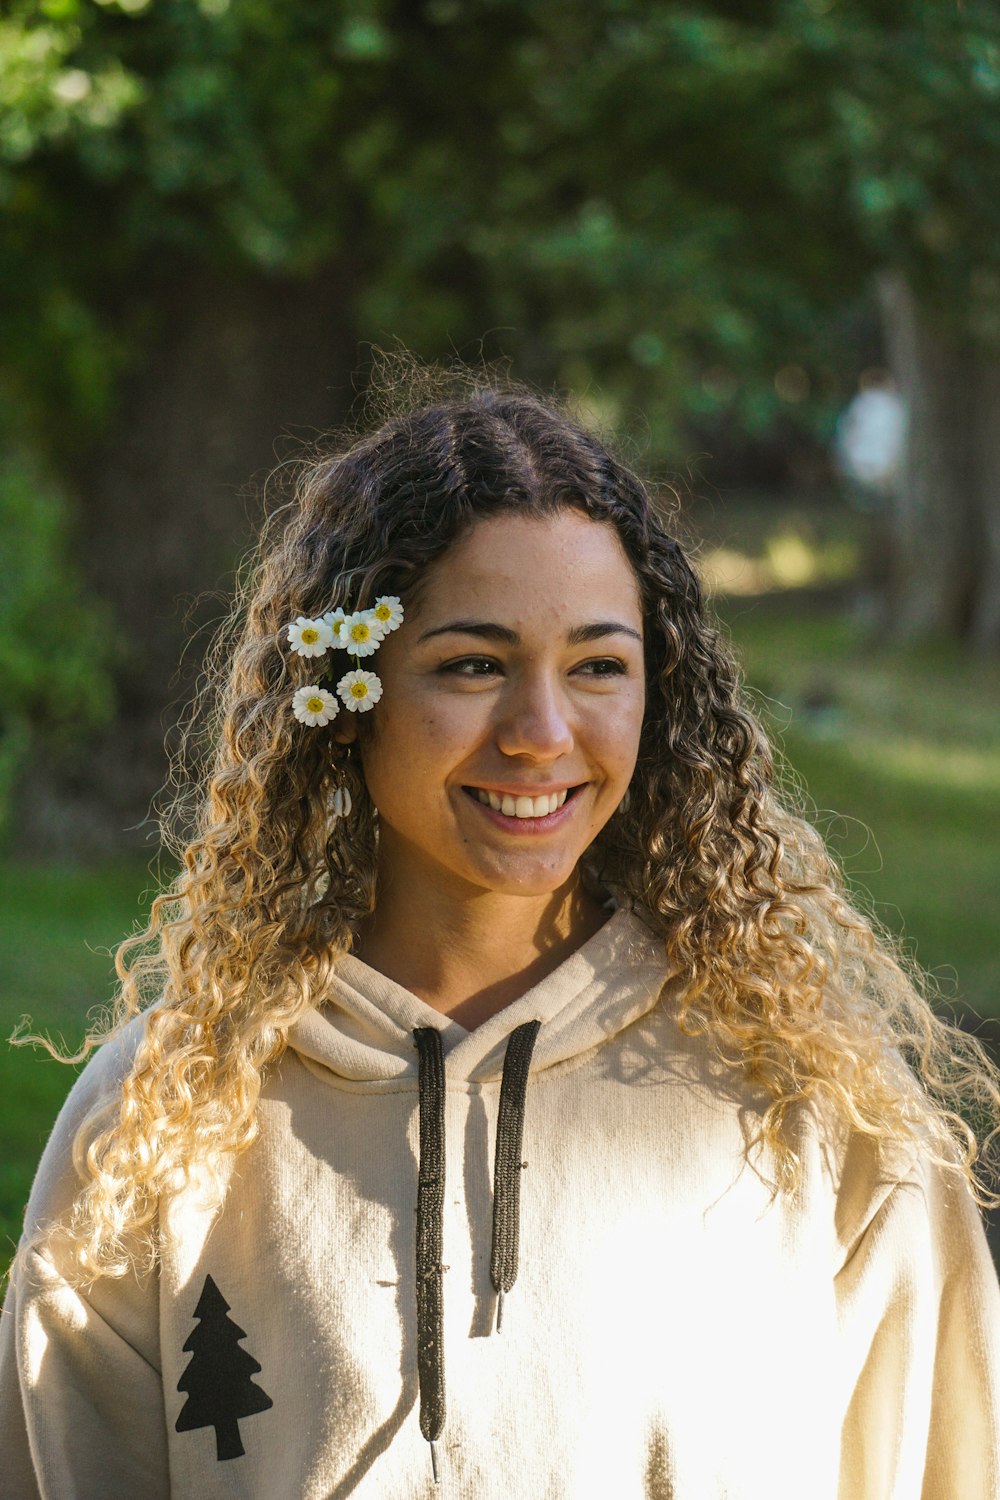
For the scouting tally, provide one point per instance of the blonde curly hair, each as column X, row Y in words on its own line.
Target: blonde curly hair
column 786, row 979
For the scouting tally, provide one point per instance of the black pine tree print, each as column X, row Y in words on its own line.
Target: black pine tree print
column 218, row 1377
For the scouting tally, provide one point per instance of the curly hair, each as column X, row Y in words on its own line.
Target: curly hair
column 784, row 976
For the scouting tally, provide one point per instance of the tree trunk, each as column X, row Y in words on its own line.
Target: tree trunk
column 166, row 507
column 944, row 520
column 985, row 625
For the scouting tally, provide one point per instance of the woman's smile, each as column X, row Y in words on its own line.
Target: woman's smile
column 522, row 813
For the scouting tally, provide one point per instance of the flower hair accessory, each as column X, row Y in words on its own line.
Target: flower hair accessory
column 360, row 635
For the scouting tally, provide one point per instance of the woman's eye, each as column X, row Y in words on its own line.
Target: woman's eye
column 471, row 666
column 604, row 666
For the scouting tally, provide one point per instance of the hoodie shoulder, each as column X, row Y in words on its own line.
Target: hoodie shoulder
column 91, row 1099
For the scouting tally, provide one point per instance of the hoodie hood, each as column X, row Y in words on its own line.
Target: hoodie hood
column 363, row 1033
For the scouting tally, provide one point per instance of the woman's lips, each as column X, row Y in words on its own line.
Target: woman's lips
column 511, row 823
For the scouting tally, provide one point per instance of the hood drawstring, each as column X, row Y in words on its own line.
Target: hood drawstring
column 430, row 1206
column 430, row 1237
column 507, row 1170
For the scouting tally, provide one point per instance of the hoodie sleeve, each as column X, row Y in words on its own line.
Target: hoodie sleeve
column 81, row 1399
column 919, row 1311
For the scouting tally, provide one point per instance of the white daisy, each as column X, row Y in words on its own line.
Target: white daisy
column 335, row 619
column 314, row 705
column 360, row 690
column 361, row 633
column 310, row 637
column 388, row 612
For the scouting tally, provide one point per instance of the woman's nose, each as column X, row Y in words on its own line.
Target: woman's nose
column 534, row 720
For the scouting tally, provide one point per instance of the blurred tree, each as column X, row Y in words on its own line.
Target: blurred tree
column 208, row 204
column 731, row 178
column 55, row 644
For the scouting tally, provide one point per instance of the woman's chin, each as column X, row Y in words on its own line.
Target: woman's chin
column 524, row 877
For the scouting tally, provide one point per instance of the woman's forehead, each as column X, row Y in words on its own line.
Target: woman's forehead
column 560, row 562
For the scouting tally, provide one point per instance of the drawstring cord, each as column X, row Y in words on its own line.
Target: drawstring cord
column 430, row 1234
column 430, row 1206
column 507, row 1170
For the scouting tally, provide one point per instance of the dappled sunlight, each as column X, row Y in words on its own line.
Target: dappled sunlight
column 931, row 763
column 36, row 1341
column 789, row 561
column 725, row 571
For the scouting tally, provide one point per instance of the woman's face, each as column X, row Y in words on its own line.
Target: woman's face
column 518, row 676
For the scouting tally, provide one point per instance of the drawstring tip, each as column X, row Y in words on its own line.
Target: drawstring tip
column 434, row 1463
column 499, row 1310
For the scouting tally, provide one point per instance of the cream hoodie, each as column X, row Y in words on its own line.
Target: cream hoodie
column 670, row 1327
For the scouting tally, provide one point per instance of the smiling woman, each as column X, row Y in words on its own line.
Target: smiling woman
column 514, row 888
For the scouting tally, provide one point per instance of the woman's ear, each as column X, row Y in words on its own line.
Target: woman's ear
column 345, row 729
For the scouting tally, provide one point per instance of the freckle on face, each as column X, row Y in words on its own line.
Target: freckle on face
column 540, row 718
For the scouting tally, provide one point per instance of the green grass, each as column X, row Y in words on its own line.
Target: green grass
column 60, row 927
column 897, row 753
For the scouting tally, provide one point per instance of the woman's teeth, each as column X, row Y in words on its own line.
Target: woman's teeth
column 522, row 807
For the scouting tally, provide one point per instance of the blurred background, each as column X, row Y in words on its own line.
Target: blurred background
column 759, row 243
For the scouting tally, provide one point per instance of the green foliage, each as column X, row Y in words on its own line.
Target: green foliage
column 662, row 195
column 55, row 644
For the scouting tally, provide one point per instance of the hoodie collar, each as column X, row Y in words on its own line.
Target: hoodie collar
column 363, row 1032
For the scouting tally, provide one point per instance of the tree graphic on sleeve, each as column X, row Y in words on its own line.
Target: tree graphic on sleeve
column 218, row 1380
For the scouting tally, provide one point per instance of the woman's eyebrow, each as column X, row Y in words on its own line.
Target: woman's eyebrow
column 598, row 630
column 504, row 636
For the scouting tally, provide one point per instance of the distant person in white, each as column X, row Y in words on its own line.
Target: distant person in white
column 870, row 438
